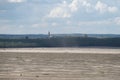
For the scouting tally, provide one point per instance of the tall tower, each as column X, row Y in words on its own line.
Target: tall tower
column 49, row 35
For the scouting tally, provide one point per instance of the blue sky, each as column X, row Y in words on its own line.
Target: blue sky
column 59, row 16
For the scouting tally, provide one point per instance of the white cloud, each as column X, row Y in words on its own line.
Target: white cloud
column 66, row 10
column 74, row 5
column 112, row 9
column 102, row 8
column 60, row 11
column 77, row 4
column 117, row 20
column 88, row 6
column 16, row 1
column 36, row 25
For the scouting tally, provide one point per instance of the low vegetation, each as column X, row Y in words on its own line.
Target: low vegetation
column 60, row 42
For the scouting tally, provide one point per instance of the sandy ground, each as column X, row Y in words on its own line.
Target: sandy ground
column 47, row 64
column 64, row 50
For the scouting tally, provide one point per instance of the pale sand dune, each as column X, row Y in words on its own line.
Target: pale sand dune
column 64, row 50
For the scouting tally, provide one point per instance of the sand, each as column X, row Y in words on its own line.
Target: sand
column 64, row 50
column 60, row 64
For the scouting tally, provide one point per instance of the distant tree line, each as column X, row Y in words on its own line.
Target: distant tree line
column 60, row 42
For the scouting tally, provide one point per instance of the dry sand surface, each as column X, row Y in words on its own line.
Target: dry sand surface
column 64, row 50
column 60, row 64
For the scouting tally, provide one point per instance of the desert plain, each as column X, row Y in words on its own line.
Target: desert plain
column 60, row 64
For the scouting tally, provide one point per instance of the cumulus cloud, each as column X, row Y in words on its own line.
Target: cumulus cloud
column 66, row 10
column 77, row 4
column 60, row 11
column 102, row 8
column 74, row 5
column 16, row 1
column 88, row 6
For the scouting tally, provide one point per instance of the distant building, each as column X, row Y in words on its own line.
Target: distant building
column 49, row 34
